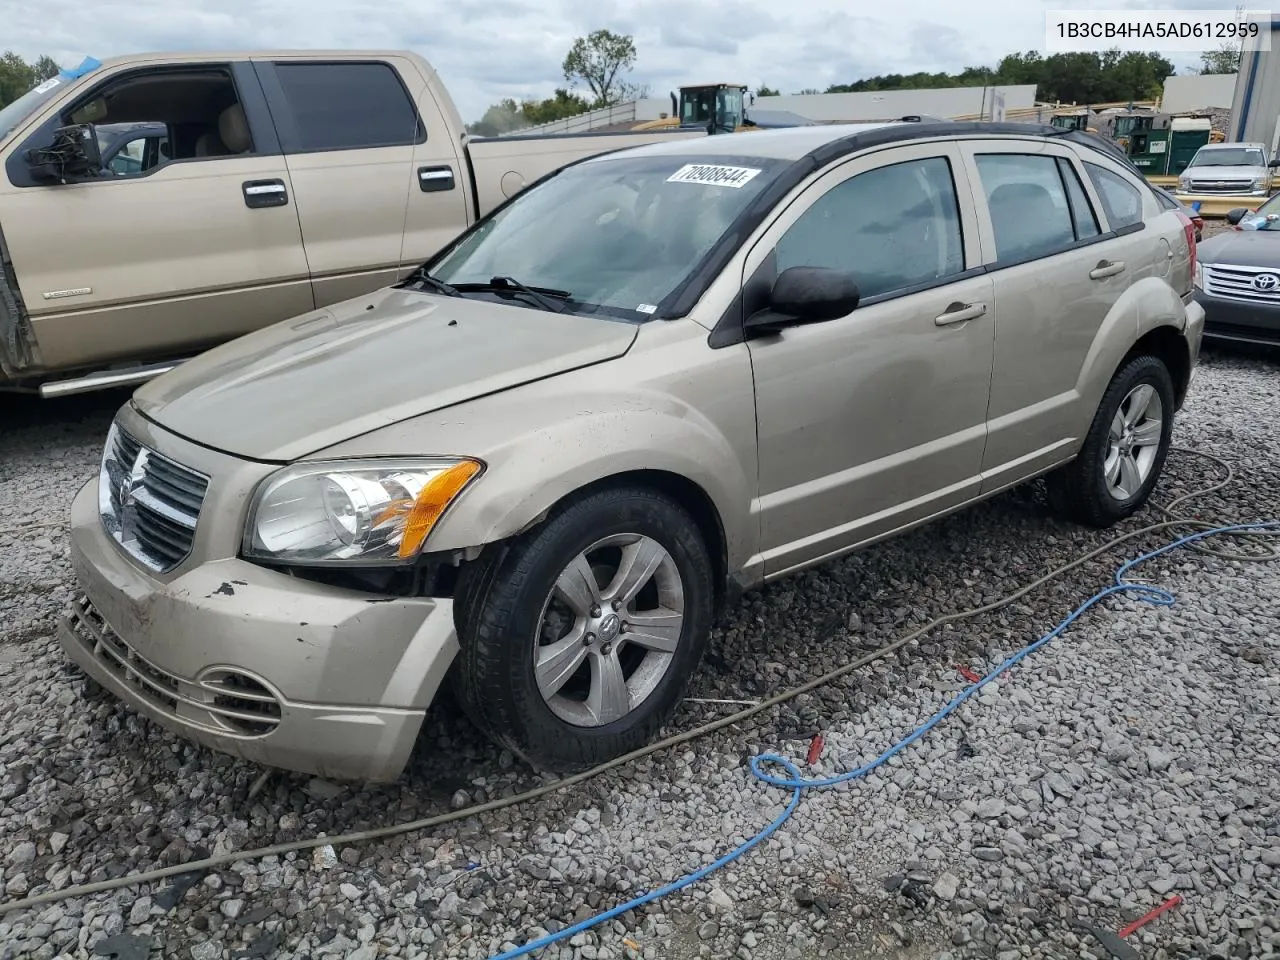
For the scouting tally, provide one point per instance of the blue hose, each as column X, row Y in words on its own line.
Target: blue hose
column 797, row 784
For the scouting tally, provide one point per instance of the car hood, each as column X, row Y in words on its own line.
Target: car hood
column 1224, row 173
column 305, row 384
column 1245, row 248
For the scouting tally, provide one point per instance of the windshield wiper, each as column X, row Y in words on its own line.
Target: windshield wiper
column 423, row 278
column 543, row 296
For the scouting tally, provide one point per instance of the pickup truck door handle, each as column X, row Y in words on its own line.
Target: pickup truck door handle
column 960, row 312
column 264, row 193
column 1106, row 268
column 435, row 179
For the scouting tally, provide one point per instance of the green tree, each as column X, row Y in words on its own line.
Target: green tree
column 1226, row 59
column 502, row 117
column 599, row 61
column 17, row 76
column 764, row 90
column 1071, row 77
column 559, row 107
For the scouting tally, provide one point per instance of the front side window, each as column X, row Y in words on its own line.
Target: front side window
column 616, row 235
column 347, row 106
column 892, row 228
column 1030, row 212
column 1121, row 199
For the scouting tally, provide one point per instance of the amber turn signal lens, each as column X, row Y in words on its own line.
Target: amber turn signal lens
column 431, row 503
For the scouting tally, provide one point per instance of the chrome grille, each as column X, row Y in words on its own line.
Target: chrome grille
column 148, row 503
column 1222, row 186
column 1259, row 285
column 222, row 701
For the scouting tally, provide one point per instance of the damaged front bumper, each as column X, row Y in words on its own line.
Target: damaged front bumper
column 254, row 662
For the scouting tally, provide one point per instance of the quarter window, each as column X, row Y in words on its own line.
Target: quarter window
column 1030, row 212
column 347, row 106
column 1082, row 216
column 892, row 228
column 1120, row 198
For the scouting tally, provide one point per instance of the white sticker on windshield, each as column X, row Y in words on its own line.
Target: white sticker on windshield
column 47, row 85
column 713, row 174
column 646, row 308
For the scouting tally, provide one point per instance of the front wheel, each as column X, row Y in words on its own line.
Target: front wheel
column 578, row 642
column 1125, row 450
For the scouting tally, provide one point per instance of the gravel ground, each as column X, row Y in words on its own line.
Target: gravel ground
column 1129, row 760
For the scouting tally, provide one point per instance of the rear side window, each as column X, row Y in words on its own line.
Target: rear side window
column 1082, row 216
column 1120, row 198
column 892, row 228
column 347, row 106
column 1030, row 212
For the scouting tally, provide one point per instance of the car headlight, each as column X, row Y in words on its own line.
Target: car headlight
column 353, row 511
column 1262, row 183
column 1184, row 184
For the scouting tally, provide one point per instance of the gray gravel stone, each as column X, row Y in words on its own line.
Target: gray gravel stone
column 1131, row 758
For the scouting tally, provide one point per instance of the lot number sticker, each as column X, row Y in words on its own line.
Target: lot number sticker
column 713, row 174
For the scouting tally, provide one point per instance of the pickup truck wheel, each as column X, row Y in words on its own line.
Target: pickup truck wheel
column 579, row 640
column 1125, row 450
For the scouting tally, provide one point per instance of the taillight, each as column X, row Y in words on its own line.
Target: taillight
column 1189, row 231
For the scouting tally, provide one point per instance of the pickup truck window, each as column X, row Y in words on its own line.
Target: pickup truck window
column 1229, row 157
column 27, row 104
column 347, row 106
column 618, row 234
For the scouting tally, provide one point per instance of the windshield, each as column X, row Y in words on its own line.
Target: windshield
column 1266, row 218
column 617, row 235
column 27, row 104
column 1230, row 157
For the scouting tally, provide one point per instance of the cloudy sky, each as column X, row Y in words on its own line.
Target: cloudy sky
column 489, row 49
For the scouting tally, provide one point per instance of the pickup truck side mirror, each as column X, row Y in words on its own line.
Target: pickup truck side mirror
column 1236, row 214
column 74, row 154
column 803, row 295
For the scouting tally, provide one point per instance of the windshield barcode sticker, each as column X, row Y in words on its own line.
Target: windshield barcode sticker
column 646, row 308
column 713, row 174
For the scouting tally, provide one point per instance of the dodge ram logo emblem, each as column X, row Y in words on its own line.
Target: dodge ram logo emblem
column 1266, row 282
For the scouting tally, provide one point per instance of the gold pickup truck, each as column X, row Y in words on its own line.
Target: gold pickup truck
column 248, row 188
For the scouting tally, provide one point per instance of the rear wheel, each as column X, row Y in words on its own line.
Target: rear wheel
column 579, row 640
column 1124, row 452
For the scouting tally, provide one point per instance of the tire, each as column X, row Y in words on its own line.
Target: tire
column 1096, row 489
column 530, row 599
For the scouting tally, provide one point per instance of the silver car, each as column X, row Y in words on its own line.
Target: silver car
column 538, row 469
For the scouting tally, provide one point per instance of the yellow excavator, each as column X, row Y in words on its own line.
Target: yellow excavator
column 714, row 107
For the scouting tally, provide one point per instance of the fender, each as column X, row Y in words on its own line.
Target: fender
column 1146, row 305
column 542, row 442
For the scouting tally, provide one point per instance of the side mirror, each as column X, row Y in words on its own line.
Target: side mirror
column 806, row 295
column 74, row 154
column 1274, row 163
column 1236, row 214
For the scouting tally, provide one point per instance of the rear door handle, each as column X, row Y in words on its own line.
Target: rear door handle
column 960, row 312
column 435, row 179
column 1106, row 268
column 264, row 193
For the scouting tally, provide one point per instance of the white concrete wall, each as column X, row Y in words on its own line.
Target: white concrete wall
column 889, row 104
column 1194, row 92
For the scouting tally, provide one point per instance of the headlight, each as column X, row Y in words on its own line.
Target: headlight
column 1262, row 183
column 353, row 511
column 1184, row 185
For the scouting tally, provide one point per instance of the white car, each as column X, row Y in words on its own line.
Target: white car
column 1231, row 169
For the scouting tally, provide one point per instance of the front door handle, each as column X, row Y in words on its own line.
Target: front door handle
column 435, row 179
column 264, row 193
column 960, row 312
column 1106, row 268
